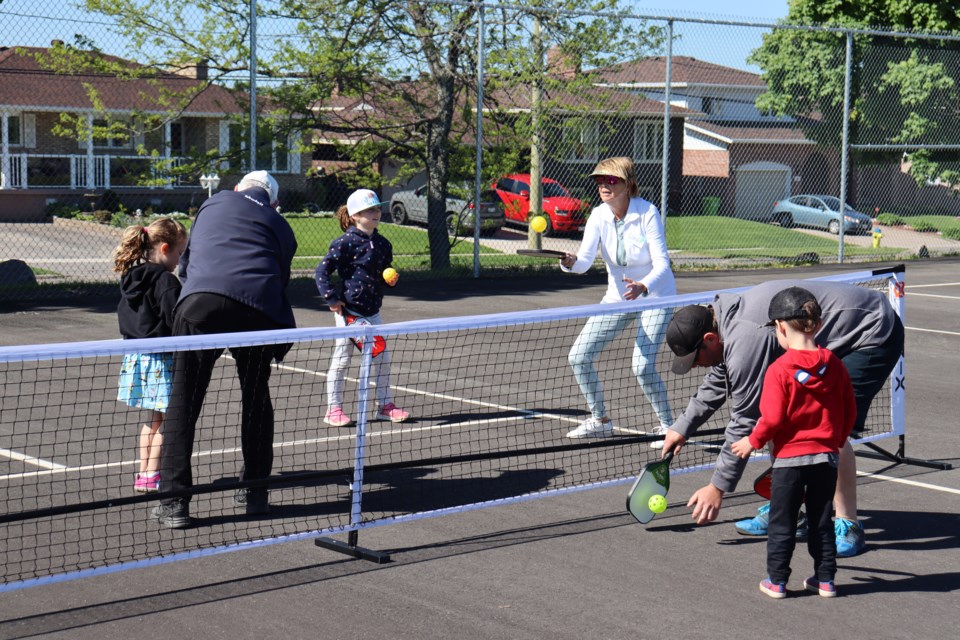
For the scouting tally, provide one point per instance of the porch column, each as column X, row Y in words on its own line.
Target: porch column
column 167, row 144
column 91, row 177
column 5, row 151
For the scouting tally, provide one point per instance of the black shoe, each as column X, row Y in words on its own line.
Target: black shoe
column 175, row 515
column 254, row 500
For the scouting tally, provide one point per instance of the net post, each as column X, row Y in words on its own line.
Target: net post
column 350, row 547
column 896, row 290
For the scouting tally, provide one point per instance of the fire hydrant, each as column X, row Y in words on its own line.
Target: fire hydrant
column 877, row 234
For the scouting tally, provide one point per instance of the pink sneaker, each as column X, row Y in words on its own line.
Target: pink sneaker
column 143, row 483
column 393, row 413
column 337, row 418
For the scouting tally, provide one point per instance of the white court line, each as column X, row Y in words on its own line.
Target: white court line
column 941, row 284
column 62, row 469
column 933, row 295
column 912, row 483
column 20, row 457
column 948, row 333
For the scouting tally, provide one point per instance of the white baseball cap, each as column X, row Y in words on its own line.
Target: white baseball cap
column 263, row 180
column 361, row 200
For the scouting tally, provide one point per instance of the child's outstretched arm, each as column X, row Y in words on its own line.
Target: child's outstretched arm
column 742, row 447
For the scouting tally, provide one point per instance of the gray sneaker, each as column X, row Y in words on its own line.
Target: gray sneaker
column 175, row 515
column 254, row 501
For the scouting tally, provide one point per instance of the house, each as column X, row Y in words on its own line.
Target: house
column 41, row 163
column 731, row 151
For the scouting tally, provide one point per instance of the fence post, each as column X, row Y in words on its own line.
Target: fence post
column 665, row 161
column 478, row 173
column 845, row 143
column 253, row 86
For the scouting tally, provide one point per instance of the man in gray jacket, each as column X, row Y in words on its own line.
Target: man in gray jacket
column 732, row 339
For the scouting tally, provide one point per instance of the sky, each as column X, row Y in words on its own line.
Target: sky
column 37, row 22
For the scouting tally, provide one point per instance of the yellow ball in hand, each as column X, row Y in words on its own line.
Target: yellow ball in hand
column 539, row 224
column 390, row 276
column 657, row 504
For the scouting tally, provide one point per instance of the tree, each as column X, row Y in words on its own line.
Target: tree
column 904, row 91
column 389, row 78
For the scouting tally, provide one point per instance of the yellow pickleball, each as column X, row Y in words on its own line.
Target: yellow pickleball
column 390, row 276
column 539, row 224
column 657, row 504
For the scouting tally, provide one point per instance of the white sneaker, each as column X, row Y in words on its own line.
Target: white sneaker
column 658, row 431
column 592, row 428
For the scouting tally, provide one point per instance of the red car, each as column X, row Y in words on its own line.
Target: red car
column 565, row 214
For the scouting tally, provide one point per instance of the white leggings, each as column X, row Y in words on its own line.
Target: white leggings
column 599, row 332
column 342, row 355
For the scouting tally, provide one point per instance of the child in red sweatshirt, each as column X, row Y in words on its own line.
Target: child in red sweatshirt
column 807, row 410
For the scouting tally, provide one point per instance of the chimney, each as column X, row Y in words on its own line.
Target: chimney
column 198, row 71
column 562, row 65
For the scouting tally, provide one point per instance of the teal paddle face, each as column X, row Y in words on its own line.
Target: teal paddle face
column 653, row 480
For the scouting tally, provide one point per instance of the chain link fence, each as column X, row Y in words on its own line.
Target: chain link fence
column 762, row 144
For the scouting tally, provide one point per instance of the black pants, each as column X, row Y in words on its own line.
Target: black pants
column 201, row 314
column 869, row 369
column 789, row 484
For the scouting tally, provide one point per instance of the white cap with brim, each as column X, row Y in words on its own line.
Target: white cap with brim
column 263, row 180
column 361, row 200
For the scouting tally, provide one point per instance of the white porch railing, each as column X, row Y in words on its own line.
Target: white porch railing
column 41, row 170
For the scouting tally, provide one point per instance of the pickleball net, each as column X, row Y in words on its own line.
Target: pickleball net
column 491, row 400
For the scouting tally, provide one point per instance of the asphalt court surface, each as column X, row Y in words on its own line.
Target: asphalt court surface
column 566, row 567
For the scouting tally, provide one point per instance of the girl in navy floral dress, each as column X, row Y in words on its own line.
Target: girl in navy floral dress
column 359, row 257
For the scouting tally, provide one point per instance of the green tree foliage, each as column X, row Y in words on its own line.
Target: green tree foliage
column 386, row 80
column 904, row 90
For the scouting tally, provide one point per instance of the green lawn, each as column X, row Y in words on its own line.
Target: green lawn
column 723, row 237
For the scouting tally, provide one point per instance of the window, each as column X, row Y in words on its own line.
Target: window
column 582, row 140
column 110, row 135
column 648, row 142
column 709, row 106
column 13, row 130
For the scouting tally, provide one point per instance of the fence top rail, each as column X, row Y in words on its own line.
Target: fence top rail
column 713, row 21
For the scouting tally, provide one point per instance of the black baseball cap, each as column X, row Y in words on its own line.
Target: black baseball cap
column 685, row 335
column 788, row 304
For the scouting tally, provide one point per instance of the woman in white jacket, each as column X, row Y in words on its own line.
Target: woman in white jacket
column 630, row 235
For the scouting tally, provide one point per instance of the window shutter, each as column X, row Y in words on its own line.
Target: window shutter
column 29, row 130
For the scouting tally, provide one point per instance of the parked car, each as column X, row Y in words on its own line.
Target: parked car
column 411, row 206
column 819, row 212
column 564, row 213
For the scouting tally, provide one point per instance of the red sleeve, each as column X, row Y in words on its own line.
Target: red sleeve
column 773, row 404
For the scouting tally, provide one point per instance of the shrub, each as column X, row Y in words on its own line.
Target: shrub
column 103, row 216
column 109, row 200
column 889, row 219
column 924, row 227
column 62, row 210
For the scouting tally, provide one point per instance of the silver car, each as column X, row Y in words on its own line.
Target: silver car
column 819, row 212
column 411, row 206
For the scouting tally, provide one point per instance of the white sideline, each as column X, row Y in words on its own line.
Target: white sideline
column 912, row 483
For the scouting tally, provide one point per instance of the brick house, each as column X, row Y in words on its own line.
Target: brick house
column 731, row 151
column 40, row 166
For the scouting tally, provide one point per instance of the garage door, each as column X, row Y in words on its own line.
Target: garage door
column 759, row 185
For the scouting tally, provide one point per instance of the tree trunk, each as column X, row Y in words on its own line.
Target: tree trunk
column 438, row 173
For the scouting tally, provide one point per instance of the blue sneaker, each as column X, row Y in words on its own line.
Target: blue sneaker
column 850, row 537
column 776, row 590
column 757, row 525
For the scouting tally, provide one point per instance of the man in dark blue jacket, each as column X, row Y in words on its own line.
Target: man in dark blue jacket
column 234, row 272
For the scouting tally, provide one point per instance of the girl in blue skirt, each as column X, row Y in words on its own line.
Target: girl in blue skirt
column 146, row 259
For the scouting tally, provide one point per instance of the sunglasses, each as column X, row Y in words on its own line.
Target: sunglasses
column 608, row 180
